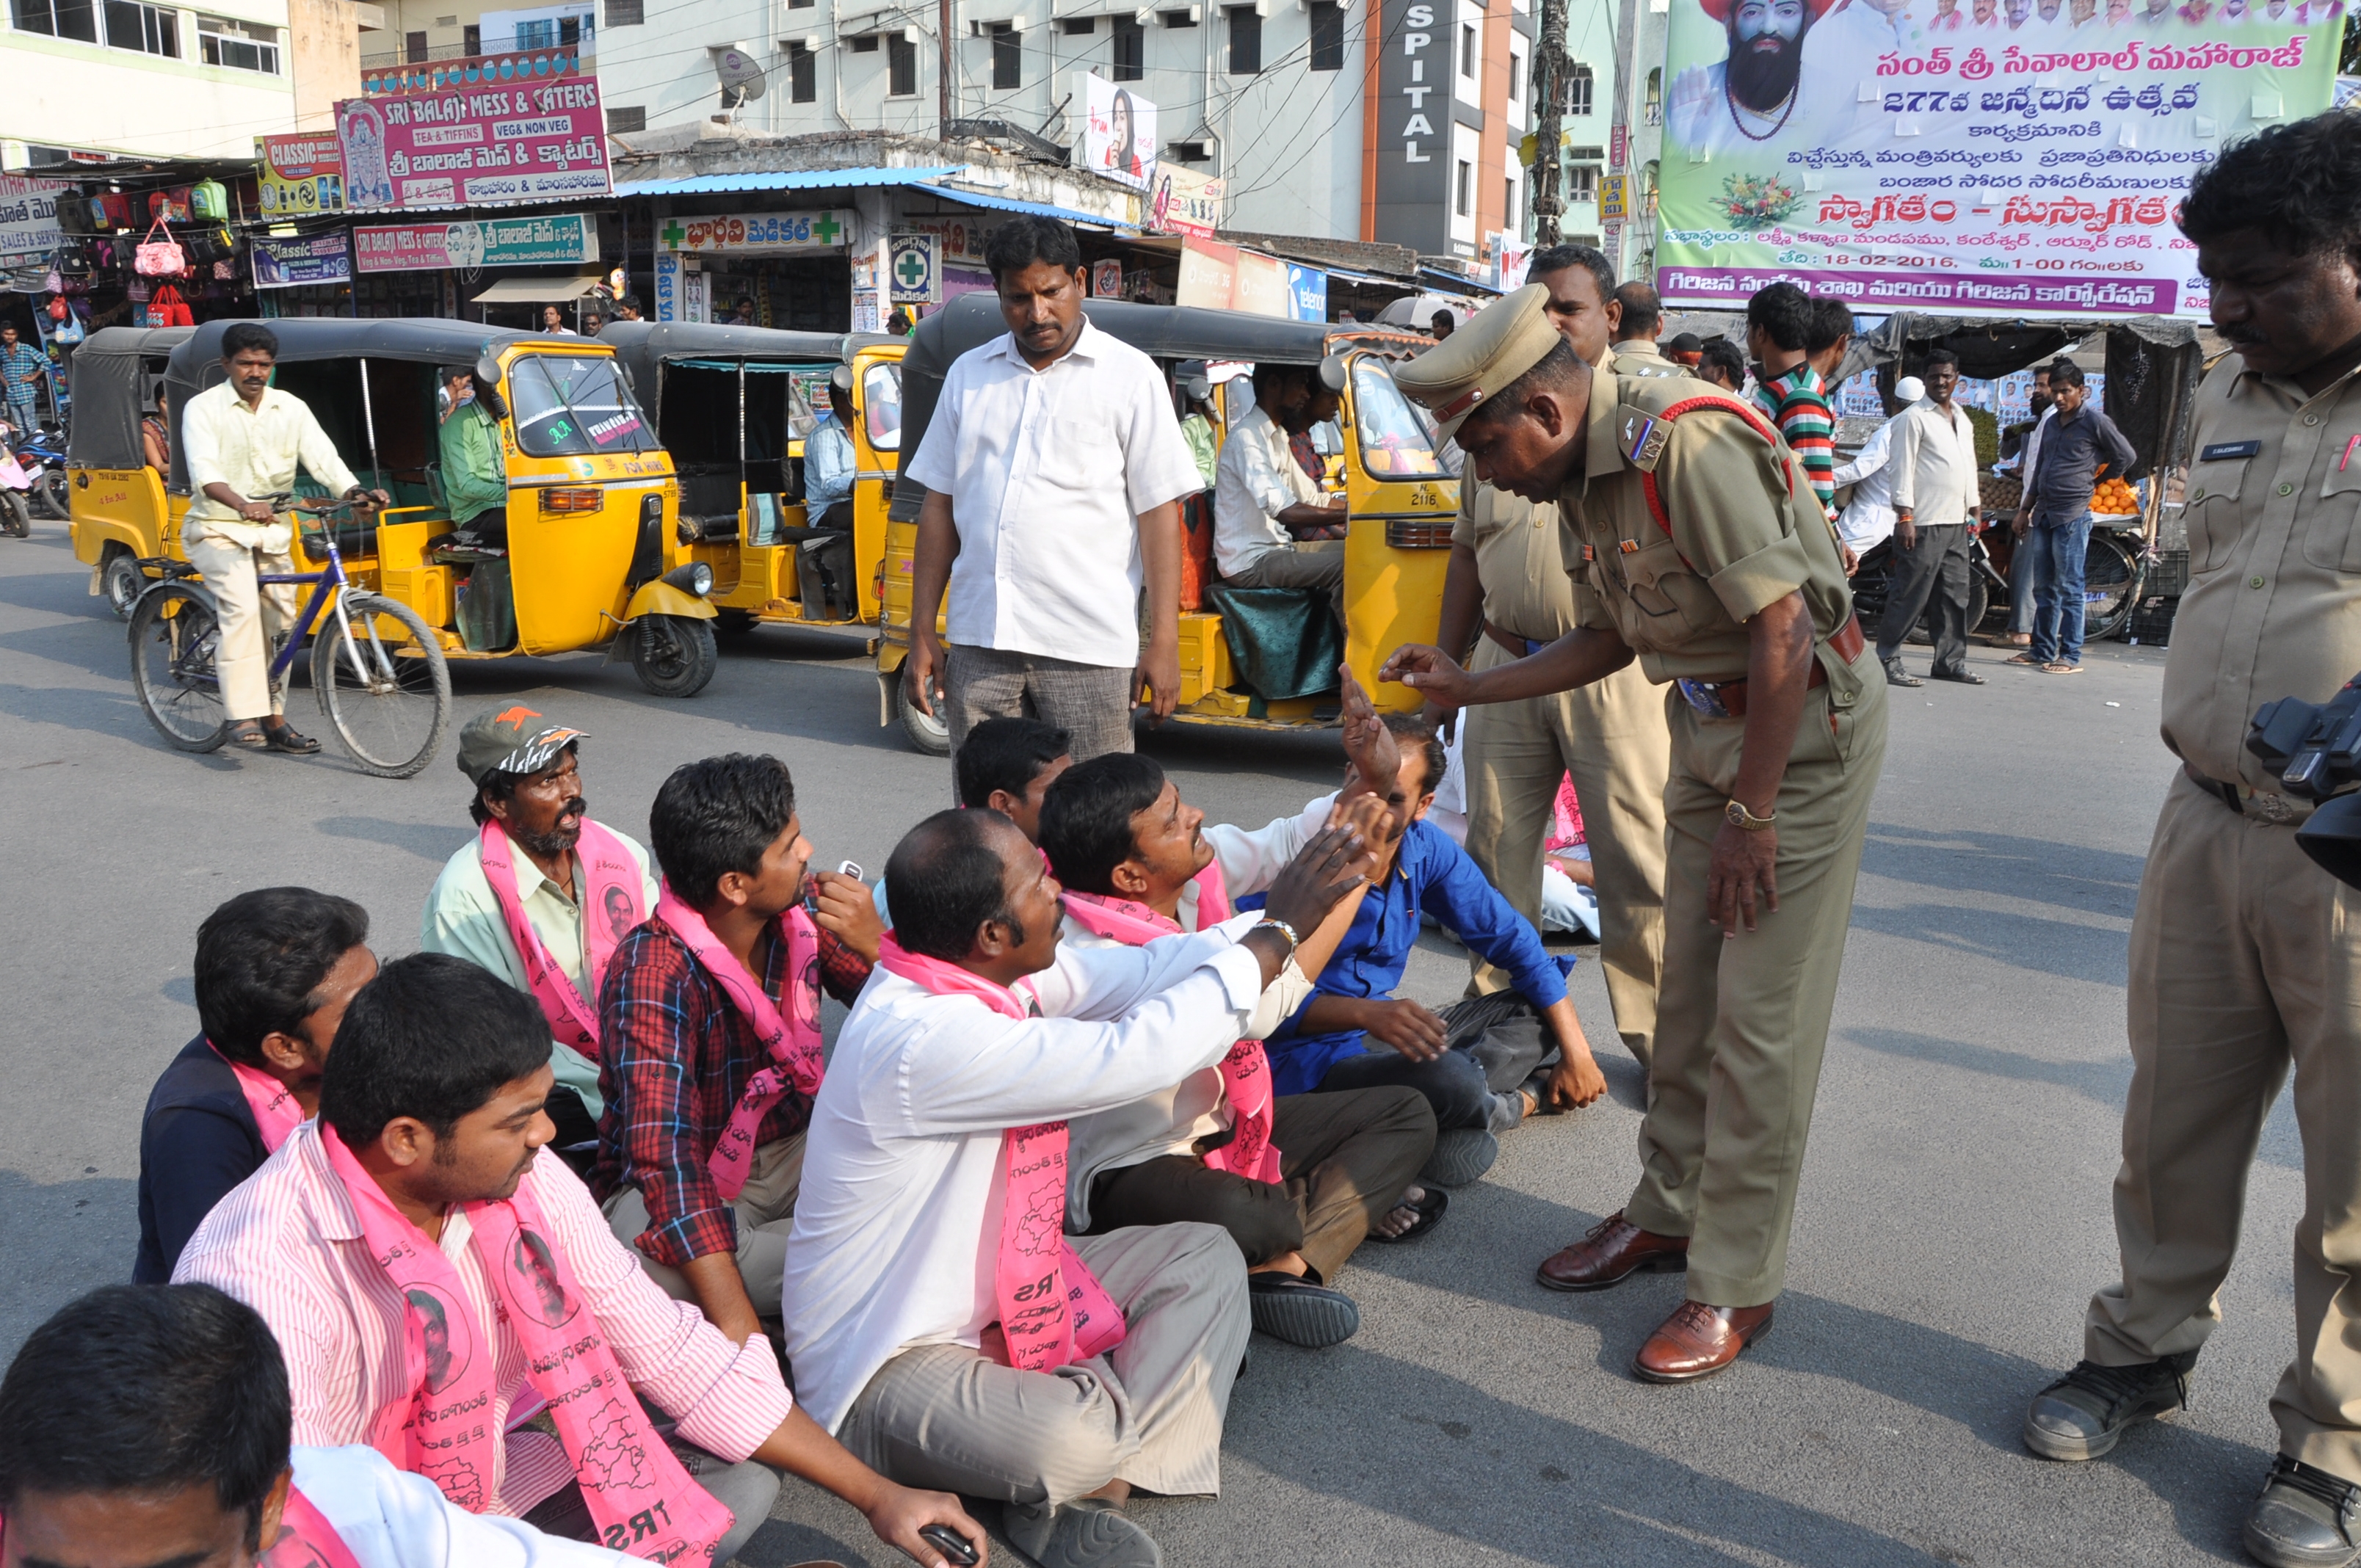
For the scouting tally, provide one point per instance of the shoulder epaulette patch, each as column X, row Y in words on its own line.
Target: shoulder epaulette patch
column 1643, row 438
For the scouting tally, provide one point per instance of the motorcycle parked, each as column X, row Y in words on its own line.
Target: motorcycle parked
column 15, row 490
column 42, row 454
column 2113, row 567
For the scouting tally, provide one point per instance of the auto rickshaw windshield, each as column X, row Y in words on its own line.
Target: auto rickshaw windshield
column 1396, row 441
column 882, row 408
column 572, row 405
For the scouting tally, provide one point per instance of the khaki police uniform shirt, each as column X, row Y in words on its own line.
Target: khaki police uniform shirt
column 2273, row 508
column 1639, row 356
column 1746, row 532
column 1526, row 590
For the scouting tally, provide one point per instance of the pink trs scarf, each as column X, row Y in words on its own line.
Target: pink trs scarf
column 642, row 1502
column 276, row 1113
column 608, row 869
column 306, row 1539
column 1052, row 1313
column 794, row 1041
column 1246, row 1072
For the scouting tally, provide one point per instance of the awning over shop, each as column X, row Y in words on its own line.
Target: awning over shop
column 784, row 180
column 1037, row 209
column 534, row 290
column 1458, row 281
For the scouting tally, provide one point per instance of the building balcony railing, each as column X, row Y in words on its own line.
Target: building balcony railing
column 384, row 74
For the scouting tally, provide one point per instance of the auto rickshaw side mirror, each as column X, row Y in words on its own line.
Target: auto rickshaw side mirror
column 1332, row 372
column 488, row 385
column 840, row 379
column 488, row 368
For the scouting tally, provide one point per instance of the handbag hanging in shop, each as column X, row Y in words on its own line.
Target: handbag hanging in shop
column 165, row 308
column 161, row 258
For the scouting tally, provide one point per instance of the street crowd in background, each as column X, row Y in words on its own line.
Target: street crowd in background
column 566, row 1237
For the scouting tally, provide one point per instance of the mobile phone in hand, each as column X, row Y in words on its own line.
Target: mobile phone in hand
column 811, row 895
column 950, row 1542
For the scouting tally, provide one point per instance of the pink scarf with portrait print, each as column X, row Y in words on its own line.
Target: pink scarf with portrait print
column 608, row 869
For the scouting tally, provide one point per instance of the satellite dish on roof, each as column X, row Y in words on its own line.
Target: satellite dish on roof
column 741, row 75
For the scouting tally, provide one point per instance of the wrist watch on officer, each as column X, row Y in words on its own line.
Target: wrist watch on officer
column 1745, row 820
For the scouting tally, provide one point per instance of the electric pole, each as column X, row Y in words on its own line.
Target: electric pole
column 944, row 72
column 1551, row 73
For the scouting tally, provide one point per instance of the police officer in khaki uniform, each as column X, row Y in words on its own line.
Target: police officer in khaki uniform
column 2244, row 956
column 1507, row 582
column 1640, row 315
column 1707, row 557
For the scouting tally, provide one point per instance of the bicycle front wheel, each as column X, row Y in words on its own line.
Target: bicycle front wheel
column 383, row 686
column 175, row 637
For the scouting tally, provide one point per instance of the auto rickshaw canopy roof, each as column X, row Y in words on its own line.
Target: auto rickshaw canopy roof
column 645, row 347
column 113, row 388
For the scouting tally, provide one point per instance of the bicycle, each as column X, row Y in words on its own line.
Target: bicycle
column 385, row 689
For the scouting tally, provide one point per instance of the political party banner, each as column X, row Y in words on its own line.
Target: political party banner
column 2023, row 158
column 758, row 234
column 555, row 239
column 288, row 263
column 472, row 147
column 1118, row 132
column 28, row 215
column 1185, row 202
column 299, row 176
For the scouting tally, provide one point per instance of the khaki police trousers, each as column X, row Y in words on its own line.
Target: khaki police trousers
column 1743, row 1020
column 1610, row 736
column 2244, row 962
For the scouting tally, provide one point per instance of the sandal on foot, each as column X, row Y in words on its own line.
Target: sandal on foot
column 283, row 737
column 2021, row 659
column 247, row 736
column 1430, row 1213
column 2056, row 668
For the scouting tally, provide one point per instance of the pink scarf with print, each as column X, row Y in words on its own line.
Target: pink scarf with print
column 276, row 1113
column 793, row 1041
column 642, row 1502
column 611, row 880
column 1052, row 1313
column 1246, row 1072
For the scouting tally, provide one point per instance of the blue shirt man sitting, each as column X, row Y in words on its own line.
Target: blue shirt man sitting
column 1479, row 1063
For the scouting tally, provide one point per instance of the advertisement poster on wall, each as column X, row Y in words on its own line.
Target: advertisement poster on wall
column 1118, row 132
column 551, row 241
column 28, row 215
column 1968, row 155
column 516, row 142
column 289, row 263
column 1185, row 202
column 299, row 176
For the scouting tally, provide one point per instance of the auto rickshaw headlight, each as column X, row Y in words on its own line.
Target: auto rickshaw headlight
column 696, row 577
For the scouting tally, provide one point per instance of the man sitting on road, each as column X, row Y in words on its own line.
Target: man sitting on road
column 1264, row 501
column 1479, row 1064
column 275, row 970
column 1297, row 1180
column 937, row 1316
column 710, row 1017
column 425, row 1267
column 150, row 1424
column 1004, row 765
column 541, row 895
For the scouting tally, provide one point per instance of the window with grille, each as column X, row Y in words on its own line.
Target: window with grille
column 803, row 74
column 569, row 31
column 1579, row 85
column 57, row 18
column 901, row 67
column 1327, row 36
column 240, row 46
column 1130, row 49
column 473, row 37
column 1467, row 51
column 624, row 122
column 1078, row 27
column 1582, row 183
column 541, row 32
column 626, row 13
column 1246, row 41
column 1176, row 19
column 150, row 29
column 865, row 44
column 1007, row 56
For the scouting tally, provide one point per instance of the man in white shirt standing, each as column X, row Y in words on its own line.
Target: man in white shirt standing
column 1262, row 496
column 1937, row 506
column 1054, row 469
column 938, row 1317
column 1867, row 521
column 243, row 438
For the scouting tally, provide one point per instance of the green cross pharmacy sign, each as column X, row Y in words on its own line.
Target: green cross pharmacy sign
column 757, row 234
column 914, row 269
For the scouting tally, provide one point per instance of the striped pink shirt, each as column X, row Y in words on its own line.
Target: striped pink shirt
column 288, row 1244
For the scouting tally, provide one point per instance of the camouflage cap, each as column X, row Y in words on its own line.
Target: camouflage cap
column 511, row 740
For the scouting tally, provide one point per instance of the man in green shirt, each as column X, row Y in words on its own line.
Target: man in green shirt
column 475, row 476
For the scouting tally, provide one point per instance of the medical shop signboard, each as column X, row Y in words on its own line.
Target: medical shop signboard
column 2020, row 157
column 757, row 234
column 540, row 141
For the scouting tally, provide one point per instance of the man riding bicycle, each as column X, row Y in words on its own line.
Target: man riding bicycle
column 245, row 438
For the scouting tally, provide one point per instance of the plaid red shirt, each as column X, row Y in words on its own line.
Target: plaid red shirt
column 675, row 1058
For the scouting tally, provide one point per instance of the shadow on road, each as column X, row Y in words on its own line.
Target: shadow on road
column 2075, row 876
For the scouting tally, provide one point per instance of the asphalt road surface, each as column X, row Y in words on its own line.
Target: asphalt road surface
column 1954, row 1214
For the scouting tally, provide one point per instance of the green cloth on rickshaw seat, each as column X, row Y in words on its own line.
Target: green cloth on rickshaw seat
column 1284, row 642
column 487, row 609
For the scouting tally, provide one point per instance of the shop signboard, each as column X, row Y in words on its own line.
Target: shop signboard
column 299, row 176
column 667, row 293
column 1952, row 164
column 537, row 141
column 554, row 239
column 28, row 215
column 1307, row 293
column 963, row 238
column 1107, row 278
column 1224, row 278
column 1412, row 184
column 1118, row 132
column 314, row 259
column 758, row 234
column 1611, row 189
column 1185, row 202
column 914, row 269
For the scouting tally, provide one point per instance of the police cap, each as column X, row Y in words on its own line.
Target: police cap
column 1507, row 337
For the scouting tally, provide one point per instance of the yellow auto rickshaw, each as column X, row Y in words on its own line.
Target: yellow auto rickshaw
column 734, row 408
column 589, row 557
column 119, row 512
column 1401, row 501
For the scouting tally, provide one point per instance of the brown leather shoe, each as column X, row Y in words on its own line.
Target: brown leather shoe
column 1610, row 1253
column 1699, row 1341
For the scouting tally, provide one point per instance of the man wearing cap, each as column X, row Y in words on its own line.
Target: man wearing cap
column 1685, row 350
column 542, row 895
column 1640, row 315
column 1508, row 582
column 1707, row 557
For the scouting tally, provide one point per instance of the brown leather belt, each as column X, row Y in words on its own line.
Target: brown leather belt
column 1517, row 647
column 1728, row 698
column 2263, row 806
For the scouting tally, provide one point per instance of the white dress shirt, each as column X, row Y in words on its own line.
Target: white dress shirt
column 254, row 451
column 1048, row 472
column 1868, row 518
column 898, row 1226
column 1171, row 1121
column 1935, row 465
column 391, row 1519
column 1256, row 479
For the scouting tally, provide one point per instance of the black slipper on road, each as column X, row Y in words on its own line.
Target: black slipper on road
column 285, row 739
column 1297, row 1310
column 1430, row 1214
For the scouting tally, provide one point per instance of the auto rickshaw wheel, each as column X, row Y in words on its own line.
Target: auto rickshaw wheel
column 121, row 582
column 673, row 655
column 929, row 732
column 16, row 518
